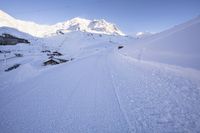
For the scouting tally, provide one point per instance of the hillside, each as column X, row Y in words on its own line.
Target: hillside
column 94, row 82
column 176, row 46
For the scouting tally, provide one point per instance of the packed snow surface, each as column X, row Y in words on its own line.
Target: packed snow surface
column 142, row 88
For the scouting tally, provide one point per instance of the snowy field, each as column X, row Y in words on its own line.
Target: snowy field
column 151, row 85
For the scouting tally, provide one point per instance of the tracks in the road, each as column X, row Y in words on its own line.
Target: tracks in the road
column 114, row 88
column 78, row 97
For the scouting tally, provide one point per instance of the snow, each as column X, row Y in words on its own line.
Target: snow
column 143, row 34
column 105, row 92
column 23, row 26
column 15, row 32
column 80, row 24
column 143, row 87
column 176, row 46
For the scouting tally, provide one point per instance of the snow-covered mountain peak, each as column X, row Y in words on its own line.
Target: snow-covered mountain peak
column 79, row 20
column 75, row 24
column 93, row 26
column 104, row 26
column 143, row 34
column 5, row 15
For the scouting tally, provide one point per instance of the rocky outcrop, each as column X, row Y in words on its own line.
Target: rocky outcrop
column 12, row 67
column 7, row 39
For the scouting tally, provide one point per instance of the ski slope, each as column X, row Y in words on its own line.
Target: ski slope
column 104, row 92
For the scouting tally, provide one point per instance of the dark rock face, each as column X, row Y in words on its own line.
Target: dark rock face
column 18, row 55
column 7, row 39
column 46, row 51
column 12, row 67
column 51, row 62
column 120, row 47
column 5, row 51
column 59, row 32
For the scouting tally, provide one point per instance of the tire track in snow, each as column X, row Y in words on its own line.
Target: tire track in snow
column 109, row 70
column 107, row 101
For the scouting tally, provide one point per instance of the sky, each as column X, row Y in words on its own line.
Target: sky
column 131, row 16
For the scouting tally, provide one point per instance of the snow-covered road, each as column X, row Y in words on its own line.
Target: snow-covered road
column 102, row 93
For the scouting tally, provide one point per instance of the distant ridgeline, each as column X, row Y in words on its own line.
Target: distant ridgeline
column 7, row 39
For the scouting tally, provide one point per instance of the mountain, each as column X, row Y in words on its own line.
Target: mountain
column 143, row 34
column 15, row 32
column 75, row 24
column 23, row 26
column 84, row 25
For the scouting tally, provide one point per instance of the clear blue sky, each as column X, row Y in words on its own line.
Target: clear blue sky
column 130, row 15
